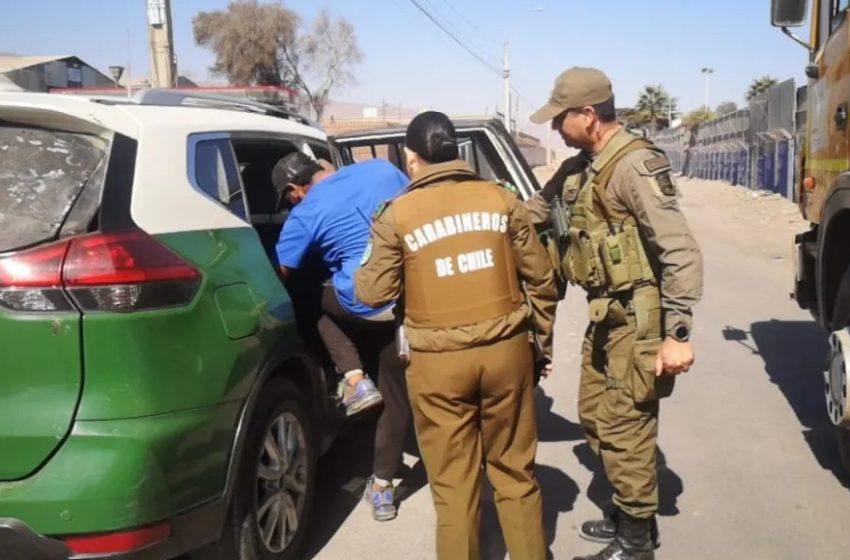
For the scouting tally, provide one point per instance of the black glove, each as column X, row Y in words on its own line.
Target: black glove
column 570, row 166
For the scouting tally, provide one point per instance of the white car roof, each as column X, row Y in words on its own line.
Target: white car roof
column 129, row 117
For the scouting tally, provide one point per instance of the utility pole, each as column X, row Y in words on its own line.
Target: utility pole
column 163, row 59
column 515, row 114
column 506, row 74
column 707, row 72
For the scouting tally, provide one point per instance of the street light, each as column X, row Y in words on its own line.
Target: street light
column 707, row 72
column 117, row 72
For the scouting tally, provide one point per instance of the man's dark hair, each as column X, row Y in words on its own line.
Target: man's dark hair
column 606, row 111
column 297, row 168
column 431, row 135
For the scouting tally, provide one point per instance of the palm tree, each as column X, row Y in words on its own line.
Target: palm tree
column 760, row 85
column 655, row 104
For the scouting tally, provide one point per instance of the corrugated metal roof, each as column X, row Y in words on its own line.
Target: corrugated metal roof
column 10, row 63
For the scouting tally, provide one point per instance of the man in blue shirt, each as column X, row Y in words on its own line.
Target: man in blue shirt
column 332, row 218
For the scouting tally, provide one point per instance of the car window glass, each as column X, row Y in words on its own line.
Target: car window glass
column 471, row 152
column 42, row 173
column 839, row 13
column 217, row 175
column 390, row 151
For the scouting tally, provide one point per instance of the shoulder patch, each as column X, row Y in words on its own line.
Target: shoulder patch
column 509, row 186
column 665, row 184
column 380, row 209
column 656, row 164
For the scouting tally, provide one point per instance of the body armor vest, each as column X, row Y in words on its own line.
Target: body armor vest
column 605, row 253
column 459, row 265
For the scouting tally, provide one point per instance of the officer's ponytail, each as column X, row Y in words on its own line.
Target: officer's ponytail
column 431, row 135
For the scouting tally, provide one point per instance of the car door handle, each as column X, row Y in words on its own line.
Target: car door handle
column 841, row 116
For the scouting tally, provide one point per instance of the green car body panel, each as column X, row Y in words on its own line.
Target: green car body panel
column 161, row 394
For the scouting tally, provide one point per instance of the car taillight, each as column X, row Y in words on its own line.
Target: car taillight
column 32, row 280
column 126, row 271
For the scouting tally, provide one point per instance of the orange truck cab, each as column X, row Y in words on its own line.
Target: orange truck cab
column 822, row 271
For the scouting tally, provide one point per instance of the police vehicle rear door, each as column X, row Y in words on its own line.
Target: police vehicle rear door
column 484, row 144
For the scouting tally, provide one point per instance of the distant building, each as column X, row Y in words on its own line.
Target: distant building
column 46, row 73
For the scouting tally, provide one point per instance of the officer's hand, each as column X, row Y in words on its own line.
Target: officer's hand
column 674, row 357
column 568, row 167
column 542, row 369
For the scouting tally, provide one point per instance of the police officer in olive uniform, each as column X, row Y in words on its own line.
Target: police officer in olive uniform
column 462, row 255
column 623, row 238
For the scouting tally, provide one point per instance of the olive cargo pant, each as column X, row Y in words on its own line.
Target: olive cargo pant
column 474, row 407
column 618, row 410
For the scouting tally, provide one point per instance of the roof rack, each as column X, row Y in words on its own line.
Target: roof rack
column 180, row 98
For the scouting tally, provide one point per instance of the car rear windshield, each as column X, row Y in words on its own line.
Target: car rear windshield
column 42, row 172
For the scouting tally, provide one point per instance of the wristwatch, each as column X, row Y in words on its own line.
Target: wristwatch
column 681, row 333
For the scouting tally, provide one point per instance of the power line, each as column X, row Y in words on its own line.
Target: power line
column 478, row 57
column 472, row 25
column 523, row 98
column 448, row 22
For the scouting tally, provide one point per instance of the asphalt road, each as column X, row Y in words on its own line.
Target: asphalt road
column 749, row 466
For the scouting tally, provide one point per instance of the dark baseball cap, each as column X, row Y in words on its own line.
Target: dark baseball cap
column 296, row 168
column 575, row 88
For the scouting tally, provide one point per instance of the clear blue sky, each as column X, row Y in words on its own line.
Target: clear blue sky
column 409, row 61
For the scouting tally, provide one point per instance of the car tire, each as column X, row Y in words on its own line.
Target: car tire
column 275, row 484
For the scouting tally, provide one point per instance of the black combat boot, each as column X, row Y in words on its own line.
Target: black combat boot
column 632, row 542
column 604, row 530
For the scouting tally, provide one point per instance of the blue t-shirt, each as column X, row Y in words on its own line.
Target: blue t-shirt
column 335, row 220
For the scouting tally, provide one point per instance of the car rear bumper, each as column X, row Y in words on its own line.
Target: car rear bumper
column 19, row 542
column 186, row 532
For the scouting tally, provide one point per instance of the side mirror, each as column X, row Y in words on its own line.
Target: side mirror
column 812, row 71
column 788, row 13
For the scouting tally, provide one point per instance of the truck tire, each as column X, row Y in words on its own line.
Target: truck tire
column 842, row 436
column 841, row 310
column 271, row 503
column 841, row 319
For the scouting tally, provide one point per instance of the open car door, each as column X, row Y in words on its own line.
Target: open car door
column 484, row 144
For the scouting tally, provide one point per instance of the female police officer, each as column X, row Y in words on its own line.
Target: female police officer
column 456, row 248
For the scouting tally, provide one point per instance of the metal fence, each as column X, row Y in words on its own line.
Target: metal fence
column 754, row 147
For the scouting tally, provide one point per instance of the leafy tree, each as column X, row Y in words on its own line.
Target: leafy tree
column 630, row 117
column 264, row 44
column 697, row 117
column 726, row 107
column 759, row 85
column 322, row 60
column 247, row 38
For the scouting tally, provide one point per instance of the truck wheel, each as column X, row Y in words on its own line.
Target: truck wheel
column 835, row 384
column 273, row 496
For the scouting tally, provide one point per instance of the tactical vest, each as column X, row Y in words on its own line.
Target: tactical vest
column 459, row 266
column 605, row 254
